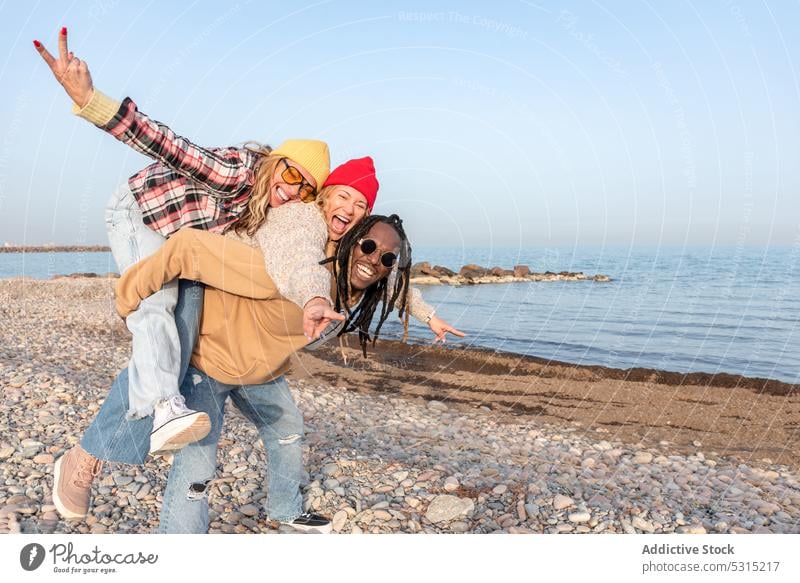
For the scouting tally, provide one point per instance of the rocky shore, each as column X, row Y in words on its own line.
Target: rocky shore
column 425, row 274
column 54, row 249
column 416, row 439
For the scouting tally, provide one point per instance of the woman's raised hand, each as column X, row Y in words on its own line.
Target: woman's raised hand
column 71, row 72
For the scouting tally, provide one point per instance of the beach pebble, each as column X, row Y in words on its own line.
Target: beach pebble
column 560, row 502
column 642, row 524
column 43, row 458
column 691, row 529
column 122, row 480
column 603, row 445
column 339, row 520
column 578, row 517
column 446, row 507
column 451, row 484
column 642, row 457
column 768, row 508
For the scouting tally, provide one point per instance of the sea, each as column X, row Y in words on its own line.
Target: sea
column 682, row 309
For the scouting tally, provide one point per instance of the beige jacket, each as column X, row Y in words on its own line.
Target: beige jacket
column 241, row 341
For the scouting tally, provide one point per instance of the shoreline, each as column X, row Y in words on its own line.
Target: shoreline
column 637, row 374
column 730, row 415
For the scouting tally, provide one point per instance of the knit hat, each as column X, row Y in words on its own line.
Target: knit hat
column 312, row 155
column 358, row 173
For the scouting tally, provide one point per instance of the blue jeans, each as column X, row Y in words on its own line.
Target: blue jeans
column 114, row 437
column 271, row 408
column 155, row 347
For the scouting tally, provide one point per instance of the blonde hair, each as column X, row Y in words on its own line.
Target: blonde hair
column 255, row 213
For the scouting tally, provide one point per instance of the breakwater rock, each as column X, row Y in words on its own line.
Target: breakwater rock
column 54, row 249
column 425, row 274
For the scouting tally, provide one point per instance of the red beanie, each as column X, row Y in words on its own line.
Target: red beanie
column 358, row 173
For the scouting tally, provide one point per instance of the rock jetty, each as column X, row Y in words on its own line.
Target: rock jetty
column 471, row 274
column 54, row 249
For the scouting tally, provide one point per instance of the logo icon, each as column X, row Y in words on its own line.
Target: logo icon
column 31, row 556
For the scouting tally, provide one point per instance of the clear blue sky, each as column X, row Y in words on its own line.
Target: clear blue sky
column 491, row 123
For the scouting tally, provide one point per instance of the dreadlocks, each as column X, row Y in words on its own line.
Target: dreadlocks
column 360, row 317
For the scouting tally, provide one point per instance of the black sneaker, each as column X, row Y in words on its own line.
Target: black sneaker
column 310, row 522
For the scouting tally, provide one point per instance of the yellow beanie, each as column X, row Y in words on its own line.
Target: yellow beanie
column 312, row 155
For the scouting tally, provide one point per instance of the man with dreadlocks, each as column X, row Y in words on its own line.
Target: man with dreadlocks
column 391, row 291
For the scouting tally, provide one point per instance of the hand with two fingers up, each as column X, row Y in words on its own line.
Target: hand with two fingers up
column 70, row 71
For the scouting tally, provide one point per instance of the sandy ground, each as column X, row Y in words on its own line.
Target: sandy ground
column 748, row 418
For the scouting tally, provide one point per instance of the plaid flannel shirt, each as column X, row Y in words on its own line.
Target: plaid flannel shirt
column 188, row 186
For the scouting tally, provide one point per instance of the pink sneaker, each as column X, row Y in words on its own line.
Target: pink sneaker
column 72, row 482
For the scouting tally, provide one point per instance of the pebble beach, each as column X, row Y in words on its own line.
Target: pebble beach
column 415, row 440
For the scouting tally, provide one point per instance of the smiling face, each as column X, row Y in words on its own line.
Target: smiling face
column 344, row 207
column 368, row 269
column 281, row 192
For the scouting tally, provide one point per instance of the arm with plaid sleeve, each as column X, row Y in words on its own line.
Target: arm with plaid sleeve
column 224, row 173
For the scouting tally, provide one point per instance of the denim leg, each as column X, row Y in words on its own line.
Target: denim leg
column 188, row 313
column 185, row 506
column 114, row 437
column 155, row 353
column 271, row 408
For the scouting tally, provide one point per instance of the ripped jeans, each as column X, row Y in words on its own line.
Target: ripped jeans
column 271, row 408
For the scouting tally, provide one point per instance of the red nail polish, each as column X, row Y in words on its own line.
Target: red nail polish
column 37, row 44
column 64, row 30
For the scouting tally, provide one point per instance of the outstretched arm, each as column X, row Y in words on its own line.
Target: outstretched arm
column 223, row 173
column 425, row 313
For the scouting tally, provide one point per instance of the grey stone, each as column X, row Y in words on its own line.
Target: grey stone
column 446, row 507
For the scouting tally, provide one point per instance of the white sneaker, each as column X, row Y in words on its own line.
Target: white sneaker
column 174, row 425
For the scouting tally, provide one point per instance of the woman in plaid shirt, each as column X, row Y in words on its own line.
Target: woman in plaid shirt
column 187, row 186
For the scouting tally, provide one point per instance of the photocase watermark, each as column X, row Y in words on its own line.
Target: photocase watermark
column 10, row 142
column 455, row 17
column 31, row 556
column 100, row 8
column 569, row 22
column 687, row 149
column 736, row 12
column 168, row 71
column 66, row 560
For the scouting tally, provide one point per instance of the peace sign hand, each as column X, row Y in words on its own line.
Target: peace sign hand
column 71, row 72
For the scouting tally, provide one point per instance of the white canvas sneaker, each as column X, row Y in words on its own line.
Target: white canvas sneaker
column 175, row 425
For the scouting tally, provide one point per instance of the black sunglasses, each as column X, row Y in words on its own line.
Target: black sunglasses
column 368, row 247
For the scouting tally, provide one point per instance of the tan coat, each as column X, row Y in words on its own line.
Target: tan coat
column 241, row 341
